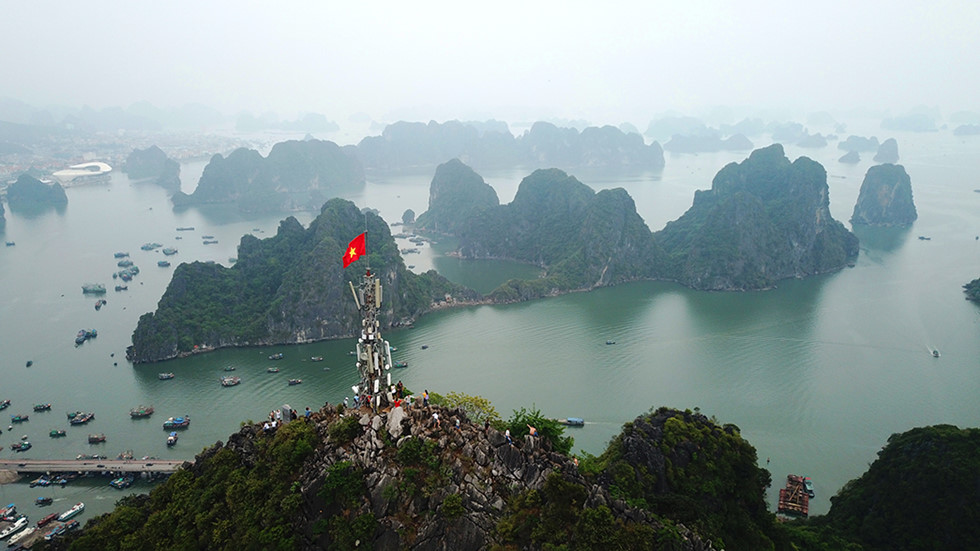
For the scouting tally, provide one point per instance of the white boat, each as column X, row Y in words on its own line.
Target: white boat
column 77, row 508
column 23, row 535
column 17, row 525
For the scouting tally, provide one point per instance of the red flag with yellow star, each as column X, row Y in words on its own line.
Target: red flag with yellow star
column 355, row 250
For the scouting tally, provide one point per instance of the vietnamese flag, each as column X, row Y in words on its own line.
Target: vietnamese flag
column 355, row 250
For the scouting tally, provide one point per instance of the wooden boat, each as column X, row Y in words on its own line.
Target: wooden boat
column 165, row 376
column 57, row 433
column 42, row 407
column 400, row 364
column 230, row 380
column 273, row 370
column 141, row 411
column 295, row 381
column 43, row 501
column 794, row 499
column 96, row 438
column 21, row 446
column 80, row 418
column 177, row 422
column 47, row 519
column 20, row 418
column 4, row 404
column 171, row 439
column 278, row 356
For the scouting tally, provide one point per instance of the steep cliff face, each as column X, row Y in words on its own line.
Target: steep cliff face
column 153, row 164
column 885, row 198
column 456, row 194
column 289, row 288
column 763, row 220
column 887, row 152
column 297, row 175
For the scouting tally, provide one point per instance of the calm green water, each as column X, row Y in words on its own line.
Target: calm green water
column 817, row 373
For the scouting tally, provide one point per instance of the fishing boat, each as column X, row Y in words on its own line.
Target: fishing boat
column 295, row 381
column 163, row 263
column 278, row 356
column 122, row 287
column 610, row 342
column 47, row 519
column 171, row 438
column 93, row 288
column 77, row 508
column 122, row 482
column 935, row 353
column 21, row 446
column 43, row 501
column 126, row 263
column 229, row 368
column 400, row 364
column 57, row 433
column 19, row 418
column 84, row 335
column 42, row 407
column 316, row 359
column 177, row 422
column 41, row 481
column 120, row 255
column 141, row 411
column 100, row 303
column 165, row 376
column 150, row 246
column 4, row 404
column 96, row 438
column 186, row 228
column 80, row 418
column 794, row 499
column 230, row 380
column 169, row 251
column 273, row 370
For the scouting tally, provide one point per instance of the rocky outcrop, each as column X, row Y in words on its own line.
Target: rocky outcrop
column 707, row 143
column 885, row 198
column 763, row 220
column 887, row 152
column 967, row 130
column 456, row 194
column 30, row 193
column 154, row 165
column 859, row 144
column 851, row 157
column 297, row 175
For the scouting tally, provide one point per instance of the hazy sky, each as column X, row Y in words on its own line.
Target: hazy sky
column 510, row 60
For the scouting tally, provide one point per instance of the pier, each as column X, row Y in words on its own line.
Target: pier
column 23, row 466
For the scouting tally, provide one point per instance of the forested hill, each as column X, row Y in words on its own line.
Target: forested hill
column 763, row 220
column 285, row 289
column 296, row 175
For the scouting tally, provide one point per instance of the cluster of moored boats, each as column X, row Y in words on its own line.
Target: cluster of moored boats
column 16, row 526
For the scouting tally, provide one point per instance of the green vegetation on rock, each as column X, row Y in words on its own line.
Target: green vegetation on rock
column 972, row 290
column 30, row 193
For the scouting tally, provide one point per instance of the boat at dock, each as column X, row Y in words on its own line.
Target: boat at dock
column 141, row 411
column 47, row 519
column 18, row 524
column 22, row 535
column 122, row 482
column 177, row 422
column 77, row 508
column 794, row 499
column 400, row 365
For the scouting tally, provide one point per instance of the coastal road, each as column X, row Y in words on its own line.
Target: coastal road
column 90, row 465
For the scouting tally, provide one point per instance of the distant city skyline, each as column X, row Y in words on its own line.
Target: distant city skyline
column 628, row 62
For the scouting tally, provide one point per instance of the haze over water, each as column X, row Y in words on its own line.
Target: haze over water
column 817, row 373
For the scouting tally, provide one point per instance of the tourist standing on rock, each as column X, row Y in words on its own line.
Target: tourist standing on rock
column 457, row 424
column 425, row 398
column 308, row 413
column 532, row 431
column 507, row 436
column 435, row 417
column 345, row 401
column 486, row 425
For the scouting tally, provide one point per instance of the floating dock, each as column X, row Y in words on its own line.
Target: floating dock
column 793, row 499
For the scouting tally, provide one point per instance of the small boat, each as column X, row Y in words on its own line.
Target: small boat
column 141, row 411
column 100, row 303
column 150, row 246
column 278, row 356
column 85, row 334
column 316, row 359
column 573, row 422
column 229, row 368
column 4, row 404
column 15, row 527
column 77, row 508
column 400, row 364
column 125, row 263
column 425, row 346
column 295, row 381
column 19, row 418
column 96, row 438
column 80, row 418
column 273, row 370
column 43, row 501
column 122, row 482
column 924, row 238
column 24, row 534
column 10, row 243
column 186, row 228
column 209, row 241
column 163, row 263
column 93, row 288
column 57, row 433
column 169, row 251
column 935, row 353
column 120, row 255
column 42, row 407
column 122, row 287
column 41, row 481
column 21, row 446
column 171, row 438
column 8, row 510
column 610, row 342
column 230, row 380
column 207, row 237
column 165, row 376
column 30, row 363
column 177, row 422
column 808, row 485
column 47, row 519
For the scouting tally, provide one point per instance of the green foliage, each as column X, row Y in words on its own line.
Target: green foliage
column 549, row 429
column 477, row 408
column 345, row 430
column 343, row 485
column 972, row 290
column 224, row 503
column 418, row 452
column 452, row 506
